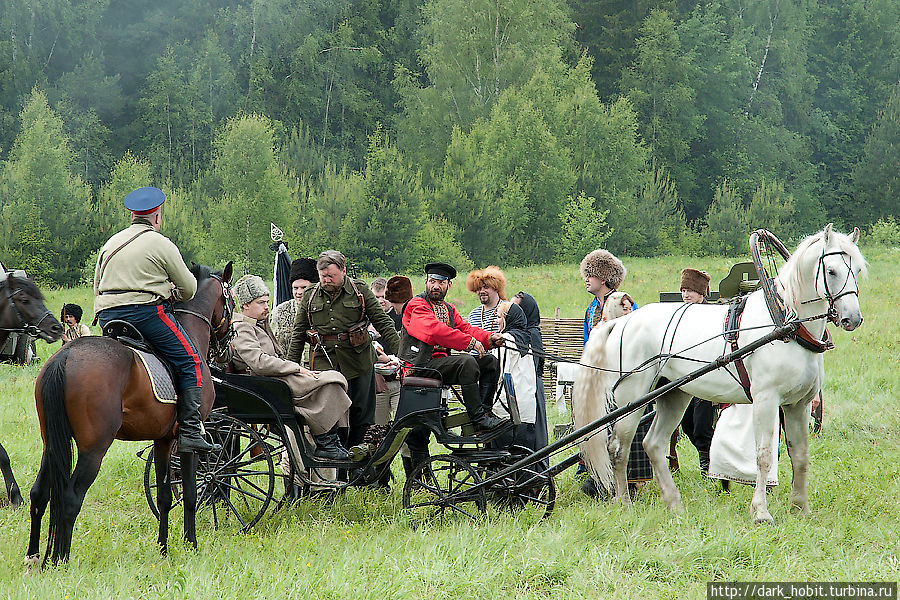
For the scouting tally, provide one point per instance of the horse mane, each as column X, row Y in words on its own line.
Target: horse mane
column 28, row 286
column 201, row 272
column 809, row 248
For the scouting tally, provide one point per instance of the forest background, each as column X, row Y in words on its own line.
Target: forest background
column 477, row 131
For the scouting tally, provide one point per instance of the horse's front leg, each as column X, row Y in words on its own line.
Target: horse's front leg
column 765, row 428
column 12, row 488
column 796, row 433
column 189, row 495
column 162, row 453
column 669, row 412
column 40, row 496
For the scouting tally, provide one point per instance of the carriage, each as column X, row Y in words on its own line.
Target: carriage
column 266, row 453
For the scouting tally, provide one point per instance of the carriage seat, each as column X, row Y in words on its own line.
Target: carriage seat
column 426, row 382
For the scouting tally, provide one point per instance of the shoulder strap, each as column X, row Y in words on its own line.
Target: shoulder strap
column 362, row 301
column 109, row 256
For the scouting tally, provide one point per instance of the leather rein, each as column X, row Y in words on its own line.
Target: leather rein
column 222, row 333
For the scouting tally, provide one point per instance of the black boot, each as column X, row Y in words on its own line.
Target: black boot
column 328, row 446
column 482, row 419
column 407, row 465
column 704, row 463
column 190, row 436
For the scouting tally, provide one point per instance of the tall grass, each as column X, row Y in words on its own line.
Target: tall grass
column 362, row 545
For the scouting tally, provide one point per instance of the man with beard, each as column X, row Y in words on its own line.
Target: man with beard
column 432, row 328
column 489, row 284
column 334, row 315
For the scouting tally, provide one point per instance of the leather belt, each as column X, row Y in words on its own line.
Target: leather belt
column 336, row 337
column 112, row 292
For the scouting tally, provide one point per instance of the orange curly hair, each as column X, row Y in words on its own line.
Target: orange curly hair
column 490, row 276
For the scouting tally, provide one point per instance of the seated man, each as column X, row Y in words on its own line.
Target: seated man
column 319, row 397
column 432, row 328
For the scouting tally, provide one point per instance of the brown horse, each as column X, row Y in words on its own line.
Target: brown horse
column 95, row 390
column 22, row 310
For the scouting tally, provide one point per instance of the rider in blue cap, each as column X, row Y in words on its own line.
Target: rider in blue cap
column 139, row 274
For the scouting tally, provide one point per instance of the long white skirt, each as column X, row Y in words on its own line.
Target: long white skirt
column 732, row 454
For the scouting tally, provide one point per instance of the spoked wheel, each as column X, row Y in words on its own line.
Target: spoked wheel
column 235, row 483
column 525, row 490
column 443, row 488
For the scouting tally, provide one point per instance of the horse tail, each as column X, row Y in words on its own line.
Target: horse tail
column 589, row 403
column 58, row 449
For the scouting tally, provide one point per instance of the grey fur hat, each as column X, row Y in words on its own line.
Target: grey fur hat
column 248, row 288
column 605, row 267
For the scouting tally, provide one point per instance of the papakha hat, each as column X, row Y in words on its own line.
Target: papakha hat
column 248, row 288
column 605, row 267
column 304, row 268
column 398, row 289
column 696, row 281
column 439, row 270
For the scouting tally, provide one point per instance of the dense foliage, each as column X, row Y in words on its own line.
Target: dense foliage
column 512, row 131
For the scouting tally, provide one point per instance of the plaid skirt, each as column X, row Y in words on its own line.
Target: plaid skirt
column 639, row 468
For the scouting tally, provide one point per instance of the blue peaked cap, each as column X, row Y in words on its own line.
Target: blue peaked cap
column 145, row 199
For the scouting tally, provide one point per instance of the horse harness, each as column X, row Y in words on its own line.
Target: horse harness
column 759, row 240
column 732, row 331
column 222, row 333
column 775, row 305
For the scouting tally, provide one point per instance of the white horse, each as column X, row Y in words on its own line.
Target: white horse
column 667, row 341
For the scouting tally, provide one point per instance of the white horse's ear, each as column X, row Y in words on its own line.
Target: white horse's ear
column 854, row 237
column 827, row 233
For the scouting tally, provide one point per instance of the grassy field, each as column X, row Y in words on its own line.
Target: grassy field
column 362, row 544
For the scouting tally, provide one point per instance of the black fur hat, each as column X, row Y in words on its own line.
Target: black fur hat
column 304, row 268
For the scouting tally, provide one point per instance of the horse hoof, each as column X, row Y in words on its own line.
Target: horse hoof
column 15, row 497
column 764, row 520
column 799, row 510
column 32, row 564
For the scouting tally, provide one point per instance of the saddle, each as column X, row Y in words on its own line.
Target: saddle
column 162, row 375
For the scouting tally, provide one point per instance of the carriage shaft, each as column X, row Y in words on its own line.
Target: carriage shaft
column 570, row 439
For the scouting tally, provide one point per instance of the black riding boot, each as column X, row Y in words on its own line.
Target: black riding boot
column 328, row 446
column 190, row 435
column 482, row 418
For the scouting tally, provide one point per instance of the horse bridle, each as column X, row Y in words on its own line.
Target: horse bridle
column 32, row 329
column 829, row 297
column 222, row 333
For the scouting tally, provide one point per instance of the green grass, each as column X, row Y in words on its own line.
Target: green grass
column 362, row 545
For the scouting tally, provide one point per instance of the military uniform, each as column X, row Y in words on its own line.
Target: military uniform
column 331, row 318
column 138, row 271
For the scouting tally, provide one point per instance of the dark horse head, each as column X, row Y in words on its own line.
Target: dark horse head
column 22, row 309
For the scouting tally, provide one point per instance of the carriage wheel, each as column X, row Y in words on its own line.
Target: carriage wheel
column 528, row 489
column 235, row 483
column 443, row 487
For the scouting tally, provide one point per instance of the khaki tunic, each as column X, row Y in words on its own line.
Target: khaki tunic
column 322, row 401
column 142, row 272
column 336, row 315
